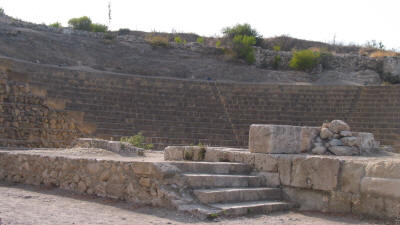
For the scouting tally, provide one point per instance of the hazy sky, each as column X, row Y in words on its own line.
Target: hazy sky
column 353, row 21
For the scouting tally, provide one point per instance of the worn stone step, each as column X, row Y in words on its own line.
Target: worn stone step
column 222, row 180
column 226, row 195
column 213, row 167
column 252, row 207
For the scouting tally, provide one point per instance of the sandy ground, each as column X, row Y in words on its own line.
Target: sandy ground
column 23, row 204
column 92, row 153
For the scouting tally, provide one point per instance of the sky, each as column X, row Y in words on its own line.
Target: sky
column 348, row 21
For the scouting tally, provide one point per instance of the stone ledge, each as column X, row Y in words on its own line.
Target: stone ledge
column 114, row 146
column 381, row 187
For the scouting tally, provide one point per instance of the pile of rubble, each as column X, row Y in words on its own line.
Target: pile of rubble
column 336, row 138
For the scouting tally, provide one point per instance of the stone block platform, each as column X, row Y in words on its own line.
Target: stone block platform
column 358, row 185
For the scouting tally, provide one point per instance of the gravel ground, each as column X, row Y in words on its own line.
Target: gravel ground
column 23, row 204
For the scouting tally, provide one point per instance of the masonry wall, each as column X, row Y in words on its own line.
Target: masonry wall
column 26, row 120
column 174, row 112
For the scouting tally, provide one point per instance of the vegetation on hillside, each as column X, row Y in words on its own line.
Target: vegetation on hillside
column 304, row 60
column 239, row 42
column 85, row 23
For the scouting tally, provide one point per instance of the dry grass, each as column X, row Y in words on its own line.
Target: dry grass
column 383, row 53
column 157, row 40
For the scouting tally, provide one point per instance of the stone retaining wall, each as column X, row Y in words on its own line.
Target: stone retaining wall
column 158, row 184
column 184, row 112
column 368, row 186
column 26, row 120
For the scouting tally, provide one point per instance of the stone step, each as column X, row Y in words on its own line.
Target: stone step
column 213, row 167
column 252, row 207
column 221, row 180
column 226, row 195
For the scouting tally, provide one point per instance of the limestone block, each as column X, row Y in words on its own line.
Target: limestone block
column 346, row 133
column 381, row 186
column 384, row 169
column 326, row 133
column 369, row 205
column 339, row 202
column 315, row 172
column 213, row 155
column 351, row 174
column 365, row 141
column 337, row 126
column 279, row 139
column 349, row 141
column 265, row 162
column 308, row 134
column 270, row 179
column 244, row 157
column 344, row 150
column 174, row 153
column 285, row 169
column 319, row 150
column 307, row 199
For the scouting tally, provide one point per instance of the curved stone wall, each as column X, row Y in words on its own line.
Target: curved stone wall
column 175, row 112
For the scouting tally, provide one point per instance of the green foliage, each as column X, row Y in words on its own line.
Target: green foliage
column 157, row 41
column 56, row 25
column 200, row 40
column 81, row 23
column 304, row 60
column 242, row 46
column 137, row 140
column 277, row 48
column 184, row 42
column 218, row 44
column 188, row 155
column 242, row 30
column 85, row 23
column 178, row 40
column 2, row 11
column 96, row 27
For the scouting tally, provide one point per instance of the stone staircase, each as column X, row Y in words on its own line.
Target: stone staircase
column 229, row 189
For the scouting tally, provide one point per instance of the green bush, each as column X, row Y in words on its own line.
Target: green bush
column 178, row 40
column 243, row 47
column 81, row 23
column 96, row 27
column 2, row 11
column 242, row 30
column 277, row 48
column 218, row 44
column 200, row 40
column 137, row 140
column 56, row 25
column 304, row 60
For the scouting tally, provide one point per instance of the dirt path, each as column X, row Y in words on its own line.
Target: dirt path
column 23, row 204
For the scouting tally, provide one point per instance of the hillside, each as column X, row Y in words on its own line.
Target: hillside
column 130, row 53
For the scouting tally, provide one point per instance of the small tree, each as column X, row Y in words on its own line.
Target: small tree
column 81, row 23
column 96, row 27
column 200, row 40
column 244, row 30
column 56, row 25
column 243, row 47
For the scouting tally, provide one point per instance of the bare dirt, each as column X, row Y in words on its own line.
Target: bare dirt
column 23, row 204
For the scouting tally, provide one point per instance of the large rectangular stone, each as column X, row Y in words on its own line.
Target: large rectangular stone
column 381, row 187
column 278, row 139
column 315, row 172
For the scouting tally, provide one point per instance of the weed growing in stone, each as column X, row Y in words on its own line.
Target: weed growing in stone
column 137, row 140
